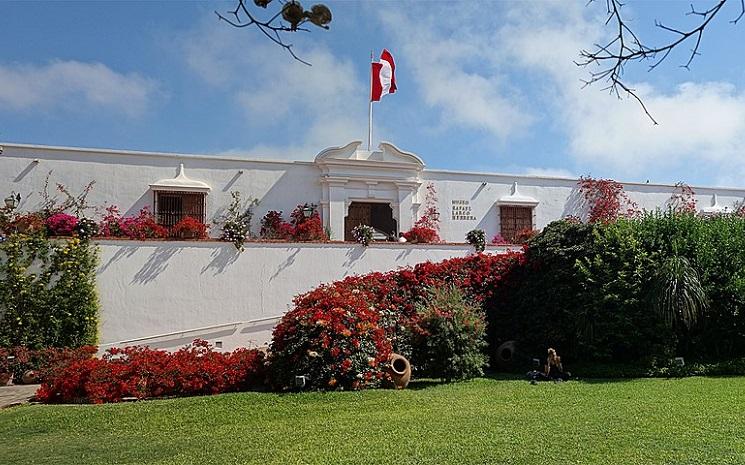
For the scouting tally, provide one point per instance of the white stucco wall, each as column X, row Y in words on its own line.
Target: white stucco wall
column 338, row 177
column 153, row 288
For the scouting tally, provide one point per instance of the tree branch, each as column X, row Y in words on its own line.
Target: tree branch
column 625, row 47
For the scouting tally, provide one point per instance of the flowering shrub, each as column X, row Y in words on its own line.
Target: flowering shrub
column 143, row 226
column 523, row 236
column 46, row 363
column 332, row 336
column 363, row 234
column 477, row 238
column 307, row 229
column 421, row 235
column 47, row 292
column 683, row 199
column 449, row 342
column 499, row 240
column 140, row 227
column 86, row 228
column 189, row 228
column 144, row 373
column 304, row 341
column 274, row 227
column 30, row 223
column 606, row 200
column 236, row 223
column 61, row 224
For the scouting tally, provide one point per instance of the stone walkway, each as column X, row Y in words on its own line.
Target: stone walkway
column 16, row 394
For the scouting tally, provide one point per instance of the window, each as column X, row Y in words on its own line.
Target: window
column 172, row 207
column 514, row 220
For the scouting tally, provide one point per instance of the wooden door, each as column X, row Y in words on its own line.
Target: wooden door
column 359, row 213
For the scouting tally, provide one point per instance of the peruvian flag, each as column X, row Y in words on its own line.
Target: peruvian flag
column 383, row 80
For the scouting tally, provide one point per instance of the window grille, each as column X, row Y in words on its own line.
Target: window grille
column 515, row 219
column 172, row 207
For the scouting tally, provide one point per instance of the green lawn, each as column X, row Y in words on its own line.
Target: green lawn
column 686, row 421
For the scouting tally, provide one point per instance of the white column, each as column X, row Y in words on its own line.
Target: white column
column 337, row 210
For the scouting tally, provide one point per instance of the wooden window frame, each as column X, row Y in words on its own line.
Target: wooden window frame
column 509, row 228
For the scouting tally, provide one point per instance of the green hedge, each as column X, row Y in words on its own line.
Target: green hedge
column 47, row 292
column 587, row 289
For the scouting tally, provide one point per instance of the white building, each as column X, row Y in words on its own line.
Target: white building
column 384, row 188
column 165, row 293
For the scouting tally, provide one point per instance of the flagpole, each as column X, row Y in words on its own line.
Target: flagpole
column 370, row 116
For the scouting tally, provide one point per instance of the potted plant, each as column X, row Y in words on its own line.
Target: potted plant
column 363, row 234
column 477, row 238
column 190, row 228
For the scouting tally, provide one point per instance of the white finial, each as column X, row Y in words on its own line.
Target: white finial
column 714, row 200
column 514, row 188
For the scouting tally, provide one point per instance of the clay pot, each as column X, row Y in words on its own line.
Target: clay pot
column 4, row 378
column 30, row 377
column 400, row 371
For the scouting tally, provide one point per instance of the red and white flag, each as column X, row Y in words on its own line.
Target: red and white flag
column 383, row 80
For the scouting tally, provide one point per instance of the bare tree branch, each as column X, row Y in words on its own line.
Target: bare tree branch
column 625, row 47
column 273, row 28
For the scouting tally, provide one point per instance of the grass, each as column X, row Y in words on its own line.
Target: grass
column 646, row 421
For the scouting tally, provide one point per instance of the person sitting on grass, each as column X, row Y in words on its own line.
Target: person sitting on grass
column 553, row 369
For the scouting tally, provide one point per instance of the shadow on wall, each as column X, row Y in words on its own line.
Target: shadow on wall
column 123, row 252
column 156, row 263
column 223, row 256
column 353, row 254
column 289, row 261
column 25, row 171
column 576, row 205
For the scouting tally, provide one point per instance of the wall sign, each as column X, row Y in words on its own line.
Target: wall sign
column 462, row 211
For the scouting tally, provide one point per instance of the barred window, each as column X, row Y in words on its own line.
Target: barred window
column 515, row 220
column 172, row 207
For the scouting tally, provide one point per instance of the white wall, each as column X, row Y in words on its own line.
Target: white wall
column 124, row 177
column 152, row 288
column 557, row 198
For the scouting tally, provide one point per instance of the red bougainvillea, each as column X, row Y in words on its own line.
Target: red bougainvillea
column 362, row 318
column 189, row 228
column 606, row 200
column 427, row 227
column 141, row 372
column 683, row 199
column 61, row 224
column 332, row 337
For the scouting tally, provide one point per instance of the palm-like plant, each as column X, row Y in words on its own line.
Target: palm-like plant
column 677, row 293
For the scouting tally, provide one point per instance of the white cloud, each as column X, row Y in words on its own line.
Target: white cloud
column 455, row 68
column 318, row 106
column 699, row 122
column 72, row 85
column 549, row 172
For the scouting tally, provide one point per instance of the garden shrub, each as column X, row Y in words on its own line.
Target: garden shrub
column 189, row 227
column 61, row 224
column 386, row 304
column 142, row 373
column 47, row 292
column 333, row 337
column 593, row 290
column 449, row 341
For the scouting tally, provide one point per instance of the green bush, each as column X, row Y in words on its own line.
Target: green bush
column 449, row 339
column 47, row 292
column 630, row 290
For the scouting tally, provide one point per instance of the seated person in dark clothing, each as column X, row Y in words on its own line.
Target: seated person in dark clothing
column 554, row 370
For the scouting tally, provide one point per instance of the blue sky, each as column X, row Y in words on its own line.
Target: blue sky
column 482, row 86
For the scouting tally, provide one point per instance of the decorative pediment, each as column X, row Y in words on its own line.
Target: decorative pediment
column 517, row 199
column 386, row 153
column 180, row 183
